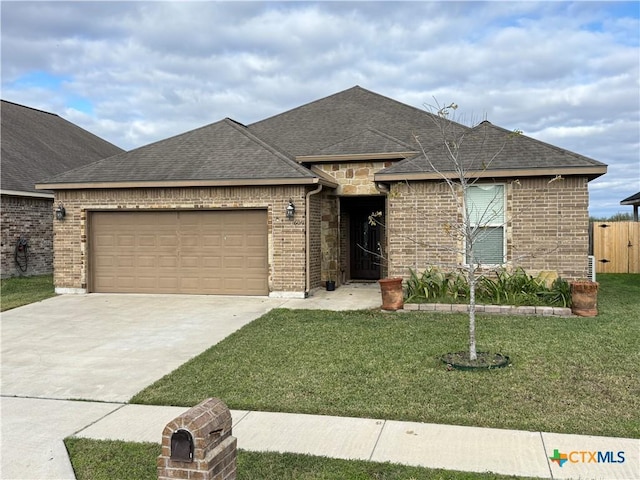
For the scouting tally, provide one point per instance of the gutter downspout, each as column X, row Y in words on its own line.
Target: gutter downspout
column 308, row 238
column 385, row 188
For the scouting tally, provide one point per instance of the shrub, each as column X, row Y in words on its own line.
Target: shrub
column 500, row 288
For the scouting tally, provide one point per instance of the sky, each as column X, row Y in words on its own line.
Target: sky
column 566, row 73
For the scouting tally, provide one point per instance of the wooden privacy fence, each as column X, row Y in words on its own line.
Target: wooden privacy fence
column 616, row 247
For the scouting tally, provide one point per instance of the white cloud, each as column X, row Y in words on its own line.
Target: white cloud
column 563, row 72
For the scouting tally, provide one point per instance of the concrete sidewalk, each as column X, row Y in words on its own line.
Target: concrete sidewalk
column 471, row 449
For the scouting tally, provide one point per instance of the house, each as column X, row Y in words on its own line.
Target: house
column 36, row 145
column 281, row 206
column 633, row 200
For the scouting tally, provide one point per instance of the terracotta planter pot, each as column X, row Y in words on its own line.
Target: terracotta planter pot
column 584, row 298
column 392, row 294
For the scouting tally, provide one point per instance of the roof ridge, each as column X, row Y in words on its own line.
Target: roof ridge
column 283, row 156
column 304, row 105
column 31, row 108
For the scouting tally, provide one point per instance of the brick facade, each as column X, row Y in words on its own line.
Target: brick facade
column 32, row 219
column 546, row 229
column 286, row 238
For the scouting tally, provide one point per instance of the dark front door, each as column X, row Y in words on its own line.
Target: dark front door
column 365, row 247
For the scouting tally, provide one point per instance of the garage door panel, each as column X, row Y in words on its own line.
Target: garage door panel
column 187, row 241
column 255, row 240
column 125, row 261
column 146, row 261
column 127, row 240
column 147, row 240
column 201, row 252
column 124, row 280
column 189, row 262
column 255, row 262
column 212, row 240
column 213, row 261
column 231, row 241
column 105, row 261
column 168, row 240
column 106, row 240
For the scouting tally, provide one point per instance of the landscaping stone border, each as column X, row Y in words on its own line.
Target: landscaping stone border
column 493, row 309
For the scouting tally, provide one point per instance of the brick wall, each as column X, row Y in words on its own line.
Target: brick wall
column 418, row 216
column 547, row 226
column 32, row 219
column 287, row 243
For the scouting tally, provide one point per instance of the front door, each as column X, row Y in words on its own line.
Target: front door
column 365, row 247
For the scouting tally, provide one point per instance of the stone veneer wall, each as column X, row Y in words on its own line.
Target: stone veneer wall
column 330, row 239
column 287, row 242
column 354, row 178
column 547, row 226
column 32, row 219
column 315, row 244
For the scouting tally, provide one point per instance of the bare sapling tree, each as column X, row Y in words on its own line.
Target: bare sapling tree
column 460, row 157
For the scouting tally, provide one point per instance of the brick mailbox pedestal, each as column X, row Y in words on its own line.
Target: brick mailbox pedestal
column 198, row 444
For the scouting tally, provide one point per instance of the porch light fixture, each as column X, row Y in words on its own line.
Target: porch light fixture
column 291, row 209
column 60, row 212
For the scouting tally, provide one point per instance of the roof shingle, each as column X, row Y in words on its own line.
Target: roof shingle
column 37, row 145
column 224, row 150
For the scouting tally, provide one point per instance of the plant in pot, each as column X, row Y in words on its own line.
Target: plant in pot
column 390, row 288
column 584, row 298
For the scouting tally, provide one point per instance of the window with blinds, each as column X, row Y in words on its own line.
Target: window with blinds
column 485, row 206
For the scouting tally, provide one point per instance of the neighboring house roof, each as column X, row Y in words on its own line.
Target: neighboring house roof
column 37, row 145
column 490, row 151
column 632, row 200
column 352, row 125
column 222, row 153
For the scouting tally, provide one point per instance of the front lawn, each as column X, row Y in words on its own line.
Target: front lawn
column 18, row 291
column 569, row 375
column 108, row 460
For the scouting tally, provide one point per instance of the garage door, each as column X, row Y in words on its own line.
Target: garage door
column 199, row 252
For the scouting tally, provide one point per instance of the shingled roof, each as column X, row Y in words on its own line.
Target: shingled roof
column 37, row 145
column 490, row 151
column 222, row 153
column 312, row 128
column 349, row 125
column 631, row 200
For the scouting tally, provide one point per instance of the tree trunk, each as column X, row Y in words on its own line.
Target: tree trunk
column 473, row 355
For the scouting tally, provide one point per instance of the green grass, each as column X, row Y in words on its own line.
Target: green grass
column 108, row 460
column 18, row 291
column 569, row 375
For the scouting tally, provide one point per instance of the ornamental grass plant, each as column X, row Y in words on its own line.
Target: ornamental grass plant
column 501, row 287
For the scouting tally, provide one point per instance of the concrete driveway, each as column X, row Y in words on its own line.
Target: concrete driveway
column 106, row 348
column 109, row 347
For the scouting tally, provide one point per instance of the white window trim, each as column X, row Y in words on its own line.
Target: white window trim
column 502, row 224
